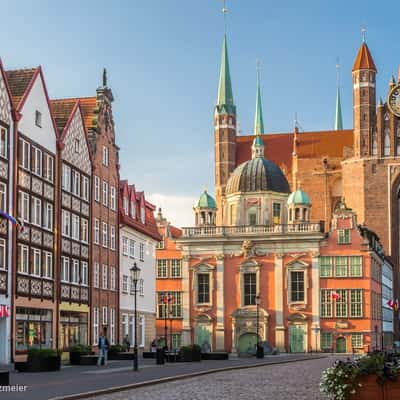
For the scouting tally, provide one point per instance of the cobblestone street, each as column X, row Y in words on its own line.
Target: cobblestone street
column 292, row 381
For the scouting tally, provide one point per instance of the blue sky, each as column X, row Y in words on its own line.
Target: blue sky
column 163, row 59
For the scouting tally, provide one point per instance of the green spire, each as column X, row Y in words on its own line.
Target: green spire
column 338, row 115
column 258, row 120
column 338, row 119
column 225, row 104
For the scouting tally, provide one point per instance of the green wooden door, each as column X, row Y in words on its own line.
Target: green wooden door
column 247, row 344
column 341, row 345
column 202, row 337
column 296, row 339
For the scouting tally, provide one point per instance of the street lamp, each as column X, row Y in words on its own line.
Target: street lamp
column 135, row 273
column 165, row 301
column 171, row 301
column 259, row 353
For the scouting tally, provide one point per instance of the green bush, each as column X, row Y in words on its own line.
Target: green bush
column 80, row 348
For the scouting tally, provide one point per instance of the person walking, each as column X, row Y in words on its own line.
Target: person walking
column 126, row 343
column 103, row 348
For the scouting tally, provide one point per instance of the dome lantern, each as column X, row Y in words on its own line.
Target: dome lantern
column 299, row 205
column 205, row 210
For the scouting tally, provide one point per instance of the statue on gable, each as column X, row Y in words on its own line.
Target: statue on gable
column 248, row 249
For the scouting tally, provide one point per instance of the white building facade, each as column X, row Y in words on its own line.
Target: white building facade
column 387, row 312
column 138, row 240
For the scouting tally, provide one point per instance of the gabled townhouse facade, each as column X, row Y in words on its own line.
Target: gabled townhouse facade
column 138, row 240
column 34, row 187
column 74, row 240
column 6, row 201
column 169, row 286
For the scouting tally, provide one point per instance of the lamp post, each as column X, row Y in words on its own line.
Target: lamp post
column 171, row 301
column 135, row 273
column 165, row 301
column 259, row 353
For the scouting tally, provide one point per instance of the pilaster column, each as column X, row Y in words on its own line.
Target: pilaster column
column 315, row 298
column 280, row 327
column 186, row 331
column 219, row 287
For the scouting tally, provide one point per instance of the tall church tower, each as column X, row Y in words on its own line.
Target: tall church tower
column 224, row 131
column 364, row 101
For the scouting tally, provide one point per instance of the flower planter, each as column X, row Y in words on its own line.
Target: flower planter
column 371, row 389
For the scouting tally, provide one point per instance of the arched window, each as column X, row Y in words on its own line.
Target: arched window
column 252, row 217
column 142, row 215
column 374, row 144
column 386, row 143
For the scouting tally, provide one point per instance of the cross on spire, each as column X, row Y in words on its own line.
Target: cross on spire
column 363, row 33
column 224, row 11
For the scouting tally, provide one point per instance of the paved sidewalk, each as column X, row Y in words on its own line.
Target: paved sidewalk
column 78, row 379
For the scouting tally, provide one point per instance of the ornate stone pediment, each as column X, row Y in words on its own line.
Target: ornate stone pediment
column 203, row 318
column 203, row 267
column 297, row 317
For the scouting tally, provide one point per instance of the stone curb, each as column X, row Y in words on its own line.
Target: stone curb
column 130, row 386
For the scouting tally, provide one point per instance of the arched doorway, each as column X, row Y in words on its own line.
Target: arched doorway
column 247, row 344
column 341, row 345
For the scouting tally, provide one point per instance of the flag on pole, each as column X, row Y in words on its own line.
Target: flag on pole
column 393, row 304
column 13, row 220
column 335, row 295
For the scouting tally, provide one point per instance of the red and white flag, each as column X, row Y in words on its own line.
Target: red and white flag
column 393, row 304
column 335, row 295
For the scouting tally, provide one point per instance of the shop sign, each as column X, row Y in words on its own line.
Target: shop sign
column 4, row 311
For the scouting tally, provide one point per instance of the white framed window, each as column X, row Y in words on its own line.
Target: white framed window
column 38, row 118
column 141, row 251
column 75, row 227
column 105, row 319
column 66, row 223
column 249, row 288
column 125, row 242
column 3, row 196
column 23, row 259
column 112, row 325
column 3, row 142
column 84, row 230
column 95, row 326
column 143, row 215
column 97, row 188
column 112, row 237
column 112, row 278
column 105, row 234
column 113, row 198
column 141, row 287
column 24, row 154
column 48, row 265
column 75, row 272
column 37, row 262
column 64, row 269
column 176, row 268
column 96, row 236
column 126, row 206
column 105, row 156
column 142, row 331
column 104, row 277
column 124, row 283
column 66, row 178
column 23, row 206
column 85, row 188
column 77, row 145
column 297, row 289
column 131, row 248
column 133, row 209
column 36, row 211
column 162, row 269
column 84, row 273
column 48, row 216
column 48, row 167
column 96, row 275
column 76, row 183
column 36, row 161
column 357, row 340
column 3, row 265
column 105, row 193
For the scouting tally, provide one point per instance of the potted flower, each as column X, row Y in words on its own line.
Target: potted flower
column 371, row 376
